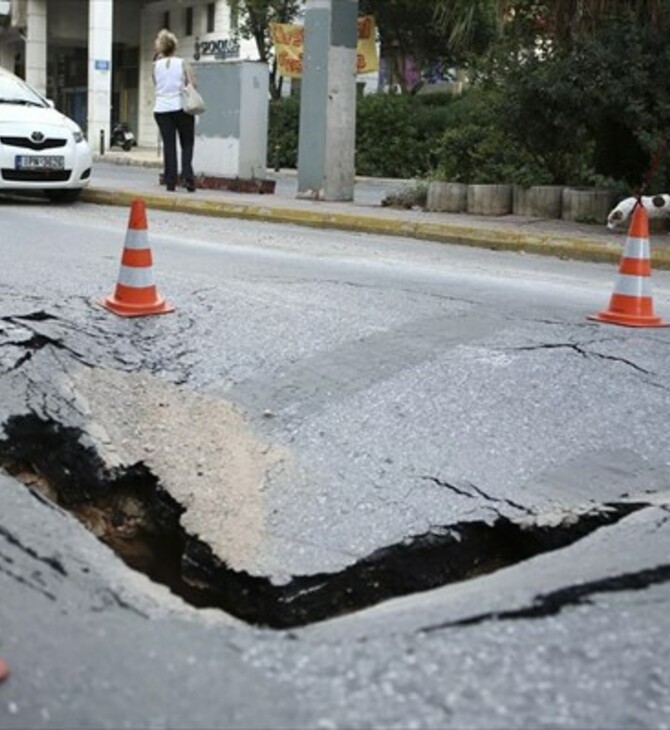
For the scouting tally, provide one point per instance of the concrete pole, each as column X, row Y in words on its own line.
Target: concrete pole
column 36, row 45
column 100, row 22
column 328, row 101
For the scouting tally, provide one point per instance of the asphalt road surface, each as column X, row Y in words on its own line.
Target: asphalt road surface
column 425, row 489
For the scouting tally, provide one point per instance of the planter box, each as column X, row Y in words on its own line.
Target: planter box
column 490, row 199
column 547, row 201
column 658, row 226
column 521, row 200
column 587, row 205
column 447, row 197
column 538, row 201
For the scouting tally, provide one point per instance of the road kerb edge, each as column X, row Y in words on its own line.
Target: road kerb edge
column 547, row 245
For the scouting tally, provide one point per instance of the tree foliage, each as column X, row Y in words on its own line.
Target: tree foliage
column 561, row 20
column 596, row 84
column 429, row 33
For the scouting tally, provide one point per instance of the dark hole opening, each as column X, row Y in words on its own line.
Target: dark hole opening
column 129, row 511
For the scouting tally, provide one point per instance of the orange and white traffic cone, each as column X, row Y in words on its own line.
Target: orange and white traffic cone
column 631, row 304
column 136, row 294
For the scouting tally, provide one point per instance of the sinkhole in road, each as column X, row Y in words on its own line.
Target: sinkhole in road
column 130, row 512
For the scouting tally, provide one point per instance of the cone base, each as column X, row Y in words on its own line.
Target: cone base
column 123, row 309
column 628, row 320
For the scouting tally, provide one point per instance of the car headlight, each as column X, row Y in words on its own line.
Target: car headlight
column 78, row 135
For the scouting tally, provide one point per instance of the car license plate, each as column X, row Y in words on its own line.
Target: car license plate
column 39, row 162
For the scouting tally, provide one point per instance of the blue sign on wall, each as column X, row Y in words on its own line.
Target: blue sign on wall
column 101, row 65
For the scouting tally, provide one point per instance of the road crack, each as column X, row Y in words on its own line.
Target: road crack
column 579, row 349
column 53, row 562
column 477, row 493
column 551, row 604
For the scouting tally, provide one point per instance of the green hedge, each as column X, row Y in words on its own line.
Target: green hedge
column 283, row 133
column 396, row 136
column 406, row 136
column 482, row 136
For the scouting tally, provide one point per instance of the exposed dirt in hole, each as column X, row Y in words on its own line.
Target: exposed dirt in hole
column 132, row 513
column 207, row 456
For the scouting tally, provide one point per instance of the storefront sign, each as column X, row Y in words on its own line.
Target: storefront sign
column 220, row 49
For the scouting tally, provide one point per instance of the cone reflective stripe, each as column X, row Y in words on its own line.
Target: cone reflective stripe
column 631, row 303
column 136, row 294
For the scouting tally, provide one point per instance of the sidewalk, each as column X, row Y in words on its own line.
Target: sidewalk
column 119, row 177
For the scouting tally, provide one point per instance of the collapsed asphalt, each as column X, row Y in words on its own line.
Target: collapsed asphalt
column 390, row 393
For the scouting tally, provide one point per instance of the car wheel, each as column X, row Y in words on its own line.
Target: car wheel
column 63, row 196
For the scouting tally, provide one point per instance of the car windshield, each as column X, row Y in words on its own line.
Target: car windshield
column 15, row 91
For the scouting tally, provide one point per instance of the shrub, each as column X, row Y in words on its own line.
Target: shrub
column 476, row 149
column 396, row 135
column 414, row 195
column 596, row 107
column 284, row 126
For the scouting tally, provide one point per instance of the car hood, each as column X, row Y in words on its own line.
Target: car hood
column 12, row 115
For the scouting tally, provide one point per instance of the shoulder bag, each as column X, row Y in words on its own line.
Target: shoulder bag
column 191, row 101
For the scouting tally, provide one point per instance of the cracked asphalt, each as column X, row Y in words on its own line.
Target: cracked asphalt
column 382, row 389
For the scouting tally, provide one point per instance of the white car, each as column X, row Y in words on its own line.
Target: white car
column 40, row 148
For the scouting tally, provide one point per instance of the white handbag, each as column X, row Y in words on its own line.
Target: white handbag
column 191, row 101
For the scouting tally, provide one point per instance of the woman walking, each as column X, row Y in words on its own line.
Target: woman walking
column 170, row 74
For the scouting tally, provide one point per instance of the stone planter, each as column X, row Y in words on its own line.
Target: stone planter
column 547, row 201
column 587, row 205
column 521, row 204
column 658, row 226
column 447, row 197
column 490, row 199
column 538, row 201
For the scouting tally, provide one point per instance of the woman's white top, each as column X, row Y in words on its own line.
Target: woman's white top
column 169, row 81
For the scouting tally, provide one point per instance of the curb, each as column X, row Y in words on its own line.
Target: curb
column 544, row 244
column 116, row 159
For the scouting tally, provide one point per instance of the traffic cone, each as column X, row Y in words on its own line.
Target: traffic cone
column 4, row 670
column 136, row 294
column 631, row 304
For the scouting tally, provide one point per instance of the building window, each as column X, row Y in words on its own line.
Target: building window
column 211, row 9
column 166, row 20
column 189, row 22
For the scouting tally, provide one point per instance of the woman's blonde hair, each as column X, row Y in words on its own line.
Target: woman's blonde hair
column 166, row 42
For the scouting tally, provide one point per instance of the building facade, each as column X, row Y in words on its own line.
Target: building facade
column 93, row 58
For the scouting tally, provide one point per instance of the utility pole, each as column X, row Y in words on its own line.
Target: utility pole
column 327, row 141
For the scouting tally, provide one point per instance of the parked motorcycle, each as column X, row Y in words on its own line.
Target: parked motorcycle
column 123, row 137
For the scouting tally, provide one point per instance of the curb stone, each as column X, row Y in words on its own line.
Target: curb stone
column 544, row 244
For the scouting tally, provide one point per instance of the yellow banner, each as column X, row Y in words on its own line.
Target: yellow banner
column 367, row 45
column 289, row 43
